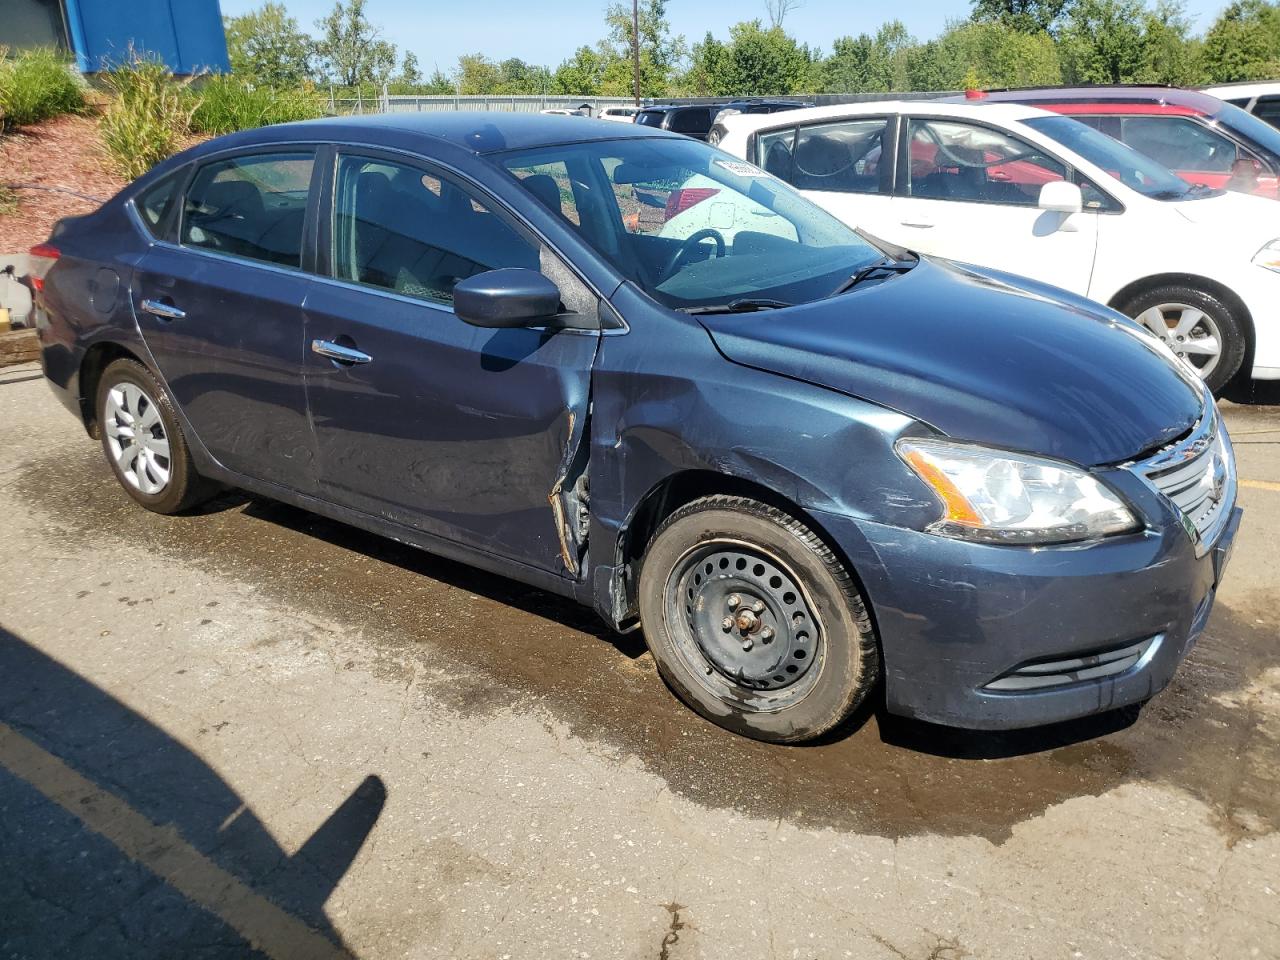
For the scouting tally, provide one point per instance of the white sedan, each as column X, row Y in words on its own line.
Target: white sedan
column 1038, row 194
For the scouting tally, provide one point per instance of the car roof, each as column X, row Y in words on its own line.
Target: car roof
column 1243, row 88
column 667, row 107
column 1007, row 112
column 1171, row 96
column 478, row 132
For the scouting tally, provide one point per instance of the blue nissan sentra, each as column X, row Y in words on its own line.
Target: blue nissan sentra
column 625, row 367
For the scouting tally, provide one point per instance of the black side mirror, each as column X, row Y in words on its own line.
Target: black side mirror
column 510, row 297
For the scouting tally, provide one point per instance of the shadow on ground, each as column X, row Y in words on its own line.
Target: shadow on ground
column 502, row 645
column 118, row 841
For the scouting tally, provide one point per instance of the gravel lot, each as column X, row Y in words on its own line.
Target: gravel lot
column 254, row 732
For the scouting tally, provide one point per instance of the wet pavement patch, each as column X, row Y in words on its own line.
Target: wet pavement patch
column 482, row 644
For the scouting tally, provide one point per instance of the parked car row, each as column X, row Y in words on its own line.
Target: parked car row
column 635, row 370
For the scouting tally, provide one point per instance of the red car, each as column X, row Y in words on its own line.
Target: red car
column 1201, row 138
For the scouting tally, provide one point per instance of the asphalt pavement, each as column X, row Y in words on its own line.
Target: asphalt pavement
column 252, row 732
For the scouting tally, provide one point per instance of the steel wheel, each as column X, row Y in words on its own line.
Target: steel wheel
column 136, row 438
column 1190, row 333
column 744, row 626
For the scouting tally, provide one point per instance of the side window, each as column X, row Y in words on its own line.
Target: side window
column 153, row 203
column 697, row 120
column 775, row 151
column 1268, row 108
column 963, row 161
column 1180, row 144
column 250, row 207
column 400, row 229
column 550, row 184
column 841, row 157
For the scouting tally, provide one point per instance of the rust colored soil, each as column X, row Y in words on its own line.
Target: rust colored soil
column 66, row 153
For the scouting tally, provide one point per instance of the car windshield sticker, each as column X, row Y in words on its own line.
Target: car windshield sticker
column 740, row 168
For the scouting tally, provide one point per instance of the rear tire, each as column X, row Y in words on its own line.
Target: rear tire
column 143, row 442
column 754, row 622
column 1193, row 322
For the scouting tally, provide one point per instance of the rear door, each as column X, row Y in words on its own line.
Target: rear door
column 220, row 310
column 465, row 433
column 971, row 192
column 841, row 165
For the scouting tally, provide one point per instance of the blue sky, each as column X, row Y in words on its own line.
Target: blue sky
column 547, row 31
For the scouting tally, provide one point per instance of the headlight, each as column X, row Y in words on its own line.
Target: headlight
column 1269, row 256
column 998, row 497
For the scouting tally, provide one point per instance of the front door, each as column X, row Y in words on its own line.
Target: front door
column 462, row 432
column 970, row 192
column 221, row 314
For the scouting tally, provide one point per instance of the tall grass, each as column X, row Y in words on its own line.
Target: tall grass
column 35, row 85
column 148, row 117
column 224, row 104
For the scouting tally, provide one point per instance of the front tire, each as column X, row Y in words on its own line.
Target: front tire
column 754, row 622
column 143, row 441
column 1197, row 326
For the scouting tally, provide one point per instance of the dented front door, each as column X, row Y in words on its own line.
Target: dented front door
column 465, row 433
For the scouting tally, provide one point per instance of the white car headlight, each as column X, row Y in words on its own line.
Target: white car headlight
column 1269, row 256
column 994, row 496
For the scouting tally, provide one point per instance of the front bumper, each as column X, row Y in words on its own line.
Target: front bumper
column 1061, row 632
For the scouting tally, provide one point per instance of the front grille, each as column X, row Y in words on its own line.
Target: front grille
column 1198, row 475
column 1056, row 673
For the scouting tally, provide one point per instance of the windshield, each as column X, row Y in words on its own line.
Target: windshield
column 692, row 226
column 1133, row 169
column 1248, row 125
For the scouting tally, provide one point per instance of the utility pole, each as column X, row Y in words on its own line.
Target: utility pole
column 635, row 44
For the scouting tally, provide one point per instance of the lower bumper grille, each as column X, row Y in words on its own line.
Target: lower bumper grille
column 1039, row 674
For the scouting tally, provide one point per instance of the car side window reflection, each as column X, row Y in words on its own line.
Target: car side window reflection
column 400, row 229
column 968, row 162
column 250, row 207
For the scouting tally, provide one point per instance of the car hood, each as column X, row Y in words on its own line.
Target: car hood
column 981, row 356
column 1242, row 217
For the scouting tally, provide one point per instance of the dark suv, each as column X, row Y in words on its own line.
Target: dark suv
column 693, row 120
column 749, row 105
column 1194, row 134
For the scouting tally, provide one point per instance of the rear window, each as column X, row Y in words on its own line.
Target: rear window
column 697, row 120
column 153, row 203
column 650, row 118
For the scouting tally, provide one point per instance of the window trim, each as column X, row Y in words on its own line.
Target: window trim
column 306, row 259
column 1072, row 172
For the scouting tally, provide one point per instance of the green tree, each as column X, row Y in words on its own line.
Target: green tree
column 1102, row 41
column 1169, row 53
column 410, row 74
column 352, row 48
column 1244, row 43
column 266, row 47
column 581, row 74
column 708, row 73
column 1025, row 16
column 661, row 53
column 763, row 61
column 878, row 64
column 476, row 75
column 984, row 54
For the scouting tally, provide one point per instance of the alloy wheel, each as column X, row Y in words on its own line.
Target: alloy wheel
column 136, row 438
column 1188, row 331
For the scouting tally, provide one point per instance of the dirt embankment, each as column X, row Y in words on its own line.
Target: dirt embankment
column 65, row 153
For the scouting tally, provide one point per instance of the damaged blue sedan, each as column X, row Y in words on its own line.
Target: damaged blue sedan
column 625, row 367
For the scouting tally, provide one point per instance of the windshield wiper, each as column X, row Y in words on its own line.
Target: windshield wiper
column 871, row 269
column 741, row 305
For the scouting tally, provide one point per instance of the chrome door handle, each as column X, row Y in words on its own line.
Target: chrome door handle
column 919, row 224
column 336, row 351
column 164, row 310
